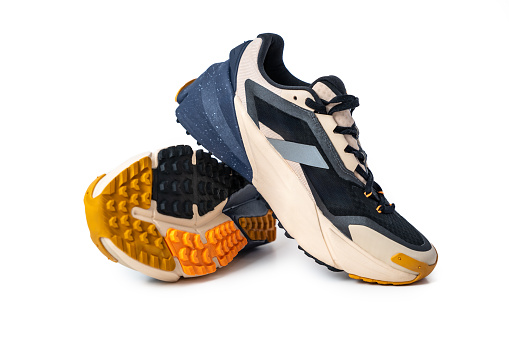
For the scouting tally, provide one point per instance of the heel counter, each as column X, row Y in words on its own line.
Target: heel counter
column 207, row 111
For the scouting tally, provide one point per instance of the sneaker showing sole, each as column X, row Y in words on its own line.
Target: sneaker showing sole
column 176, row 213
column 297, row 143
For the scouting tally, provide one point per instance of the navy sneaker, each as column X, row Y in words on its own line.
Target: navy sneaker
column 298, row 144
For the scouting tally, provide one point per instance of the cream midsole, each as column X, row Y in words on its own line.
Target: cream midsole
column 282, row 188
column 299, row 214
column 127, row 261
column 101, row 185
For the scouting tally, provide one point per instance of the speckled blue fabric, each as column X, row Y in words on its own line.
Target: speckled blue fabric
column 207, row 111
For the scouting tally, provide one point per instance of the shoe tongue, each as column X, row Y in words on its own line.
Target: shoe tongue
column 328, row 87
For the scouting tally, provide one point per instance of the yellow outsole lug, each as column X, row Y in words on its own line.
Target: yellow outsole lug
column 109, row 216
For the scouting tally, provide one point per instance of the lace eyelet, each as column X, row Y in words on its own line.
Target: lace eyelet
column 294, row 98
column 368, row 195
column 378, row 209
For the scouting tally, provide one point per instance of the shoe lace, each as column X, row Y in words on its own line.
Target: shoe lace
column 372, row 189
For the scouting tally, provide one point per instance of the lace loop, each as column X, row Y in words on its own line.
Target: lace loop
column 372, row 189
column 317, row 107
column 352, row 130
column 359, row 154
column 343, row 102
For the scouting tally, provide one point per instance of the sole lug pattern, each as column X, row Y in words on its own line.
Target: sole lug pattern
column 109, row 216
column 196, row 258
column 179, row 183
column 175, row 185
column 260, row 228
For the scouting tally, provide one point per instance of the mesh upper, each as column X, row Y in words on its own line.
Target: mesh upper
column 344, row 198
column 341, row 197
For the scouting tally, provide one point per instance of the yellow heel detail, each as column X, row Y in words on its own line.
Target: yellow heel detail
column 182, row 88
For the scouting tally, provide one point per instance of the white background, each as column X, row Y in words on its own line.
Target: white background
column 85, row 85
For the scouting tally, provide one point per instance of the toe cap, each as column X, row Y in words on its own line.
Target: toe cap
column 398, row 256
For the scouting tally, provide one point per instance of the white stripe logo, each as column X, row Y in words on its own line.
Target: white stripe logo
column 301, row 153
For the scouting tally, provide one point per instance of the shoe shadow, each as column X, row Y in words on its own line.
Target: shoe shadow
column 241, row 261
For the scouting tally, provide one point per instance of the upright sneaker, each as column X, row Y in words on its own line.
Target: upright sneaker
column 175, row 213
column 298, row 145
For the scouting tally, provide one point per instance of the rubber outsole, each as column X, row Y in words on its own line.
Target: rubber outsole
column 196, row 258
column 108, row 216
column 187, row 188
column 261, row 228
column 180, row 184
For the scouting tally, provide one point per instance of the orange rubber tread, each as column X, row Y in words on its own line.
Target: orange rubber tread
column 260, row 228
column 196, row 258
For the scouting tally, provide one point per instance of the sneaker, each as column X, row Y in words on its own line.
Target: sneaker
column 298, row 144
column 175, row 213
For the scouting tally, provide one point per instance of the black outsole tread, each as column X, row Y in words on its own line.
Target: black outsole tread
column 178, row 184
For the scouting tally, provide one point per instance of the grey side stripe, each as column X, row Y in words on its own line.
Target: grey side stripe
column 303, row 154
